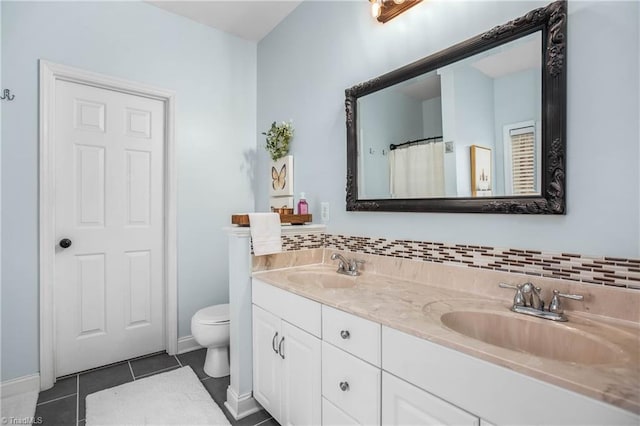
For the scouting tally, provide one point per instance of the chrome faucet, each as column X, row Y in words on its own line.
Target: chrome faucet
column 528, row 301
column 532, row 296
column 345, row 266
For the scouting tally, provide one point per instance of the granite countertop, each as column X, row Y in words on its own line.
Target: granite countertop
column 608, row 363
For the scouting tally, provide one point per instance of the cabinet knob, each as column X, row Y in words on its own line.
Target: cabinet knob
column 345, row 334
column 344, row 386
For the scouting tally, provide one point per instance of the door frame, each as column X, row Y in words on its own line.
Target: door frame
column 49, row 73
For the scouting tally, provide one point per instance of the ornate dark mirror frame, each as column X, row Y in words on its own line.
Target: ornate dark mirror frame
column 552, row 21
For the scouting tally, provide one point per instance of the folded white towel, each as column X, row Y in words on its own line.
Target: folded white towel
column 265, row 233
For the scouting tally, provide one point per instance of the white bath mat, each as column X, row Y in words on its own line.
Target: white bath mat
column 173, row 398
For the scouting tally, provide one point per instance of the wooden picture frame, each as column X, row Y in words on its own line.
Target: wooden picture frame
column 481, row 171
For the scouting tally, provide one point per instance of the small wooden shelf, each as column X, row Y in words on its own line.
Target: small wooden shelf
column 293, row 219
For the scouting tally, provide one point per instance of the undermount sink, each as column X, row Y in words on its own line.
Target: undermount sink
column 536, row 337
column 322, row 279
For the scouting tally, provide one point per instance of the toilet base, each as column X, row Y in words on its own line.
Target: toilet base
column 217, row 362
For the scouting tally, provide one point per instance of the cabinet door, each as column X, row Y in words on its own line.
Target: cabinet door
column 301, row 377
column 333, row 416
column 405, row 404
column 267, row 364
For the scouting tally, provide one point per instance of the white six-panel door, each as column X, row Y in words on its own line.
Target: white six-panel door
column 109, row 184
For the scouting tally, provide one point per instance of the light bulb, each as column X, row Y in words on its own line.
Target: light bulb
column 398, row 1
column 375, row 9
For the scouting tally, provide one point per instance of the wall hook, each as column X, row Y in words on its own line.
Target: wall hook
column 7, row 95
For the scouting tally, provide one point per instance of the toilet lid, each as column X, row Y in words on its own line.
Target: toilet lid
column 213, row 314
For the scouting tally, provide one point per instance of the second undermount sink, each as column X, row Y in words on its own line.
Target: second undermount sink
column 536, row 337
column 322, row 279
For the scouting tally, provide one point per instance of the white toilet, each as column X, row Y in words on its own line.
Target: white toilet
column 210, row 328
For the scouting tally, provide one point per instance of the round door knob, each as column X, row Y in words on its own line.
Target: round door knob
column 65, row 243
column 345, row 334
column 344, row 386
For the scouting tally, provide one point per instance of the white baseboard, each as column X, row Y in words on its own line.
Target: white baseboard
column 20, row 385
column 241, row 406
column 187, row 344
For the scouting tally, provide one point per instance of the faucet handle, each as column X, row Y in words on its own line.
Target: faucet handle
column 518, row 298
column 505, row 285
column 357, row 262
column 555, row 305
column 353, row 265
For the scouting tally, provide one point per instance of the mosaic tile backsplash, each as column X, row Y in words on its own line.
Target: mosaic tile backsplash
column 304, row 241
column 608, row 271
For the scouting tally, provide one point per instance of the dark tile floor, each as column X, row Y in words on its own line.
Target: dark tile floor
column 64, row 403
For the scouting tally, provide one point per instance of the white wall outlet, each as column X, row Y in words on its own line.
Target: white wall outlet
column 324, row 211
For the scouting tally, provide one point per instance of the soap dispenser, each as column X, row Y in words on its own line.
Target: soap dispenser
column 303, row 207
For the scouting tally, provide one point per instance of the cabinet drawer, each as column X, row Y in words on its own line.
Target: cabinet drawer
column 403, row 404
column 333, row 416
column 353, row 334
column 297, row 310
column 360, row 397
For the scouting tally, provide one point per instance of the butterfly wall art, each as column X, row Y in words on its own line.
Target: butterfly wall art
column 282, row 177
column 278, row 177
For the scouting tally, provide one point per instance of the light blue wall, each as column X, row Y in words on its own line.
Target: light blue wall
column 432, row 117
column 305, row 64
column 1, row 245
column 517, row 98
column 384, row 117
column 472, row 118
column 214, row 77
column 448, row 101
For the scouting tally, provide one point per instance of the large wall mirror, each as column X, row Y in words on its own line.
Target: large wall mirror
column 478, row 127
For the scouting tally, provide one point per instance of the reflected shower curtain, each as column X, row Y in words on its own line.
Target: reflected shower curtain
column 417, row 171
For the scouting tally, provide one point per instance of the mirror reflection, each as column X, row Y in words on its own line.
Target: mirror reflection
column 468, row 129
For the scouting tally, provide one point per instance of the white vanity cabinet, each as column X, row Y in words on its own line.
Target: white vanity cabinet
column 405, row 404
column 286, row 356
column 313, row 364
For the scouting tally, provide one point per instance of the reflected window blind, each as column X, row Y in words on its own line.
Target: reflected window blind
column 523, row 161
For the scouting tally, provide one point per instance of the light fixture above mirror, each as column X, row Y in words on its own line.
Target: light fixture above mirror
column 385, row 10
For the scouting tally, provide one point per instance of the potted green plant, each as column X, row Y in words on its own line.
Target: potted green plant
column 278, row 137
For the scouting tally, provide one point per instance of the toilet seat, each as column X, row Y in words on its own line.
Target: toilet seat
column 217, row 314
